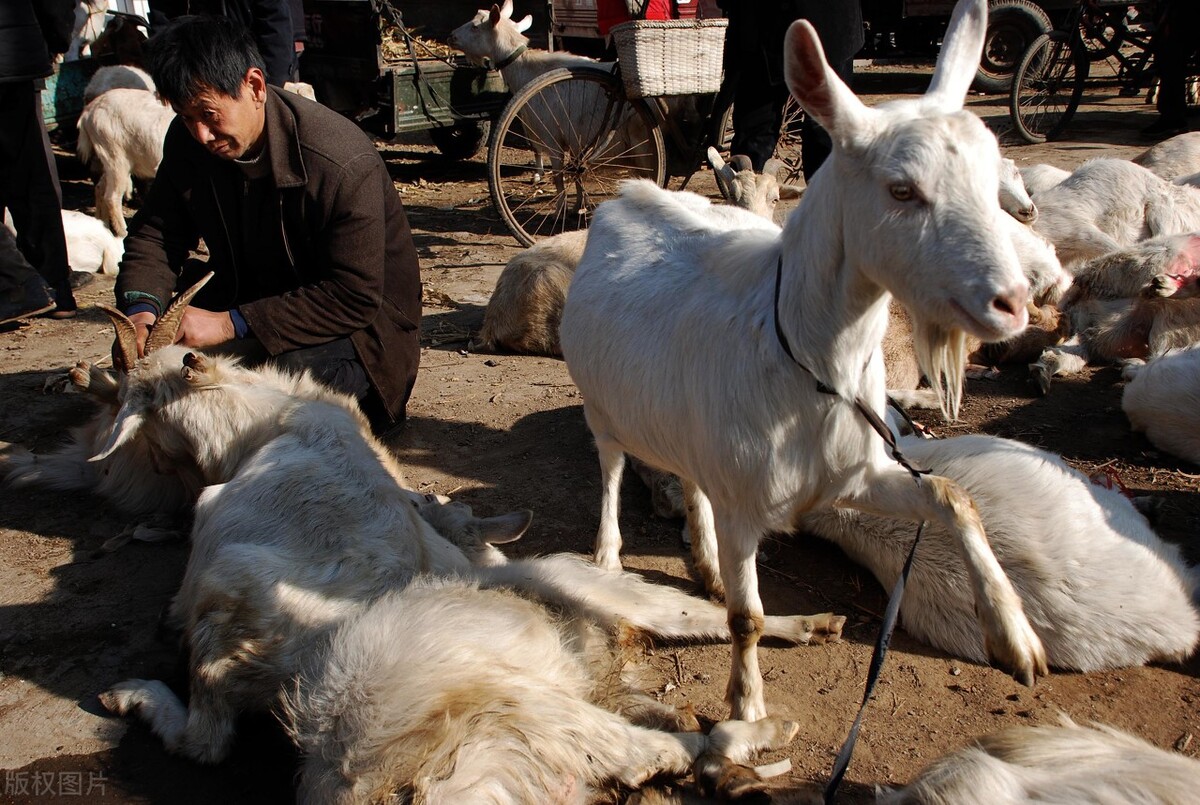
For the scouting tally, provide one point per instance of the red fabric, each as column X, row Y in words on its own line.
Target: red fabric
column 613, row 12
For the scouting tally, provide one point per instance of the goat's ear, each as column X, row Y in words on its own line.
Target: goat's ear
column 817, row 88
column 962, row 47
column 790, row 192
column 494, row 16
column 525, row 24
column 504, row 528
column 129, row 420
column 506, row 10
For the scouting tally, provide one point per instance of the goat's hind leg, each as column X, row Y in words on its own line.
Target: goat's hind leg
column 1007, row 636
column 608, row 538
column 203, row 732
column 702, row 532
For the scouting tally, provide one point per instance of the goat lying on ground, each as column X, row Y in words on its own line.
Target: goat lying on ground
column 1117, row 309
column 1163, row 401
column 122, row 132
column 1040, row 177
column 1099, row 587
column 1173, row 158
column 444, row 691
column 759, row 193
column 1110, row 204
column 674, row 329
column 1063, row 763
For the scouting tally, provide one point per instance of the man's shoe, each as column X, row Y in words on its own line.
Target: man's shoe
column 1165, row 128
column 80, row 279
column 32, row 298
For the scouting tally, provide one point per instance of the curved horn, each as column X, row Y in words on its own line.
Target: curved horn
column 162, row 334
column 772, row 167
column 126, row 335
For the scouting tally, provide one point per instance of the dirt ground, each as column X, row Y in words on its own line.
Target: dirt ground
column 505, row 432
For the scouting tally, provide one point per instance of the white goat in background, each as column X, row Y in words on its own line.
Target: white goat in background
column 117, row 76
column 1098, row 585
column 122, row 132
column 669, row 333
column 1173, row 158
column 1064, row 763
column 1163, row 400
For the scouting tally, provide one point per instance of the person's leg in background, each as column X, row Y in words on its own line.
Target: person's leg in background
column 29, row 189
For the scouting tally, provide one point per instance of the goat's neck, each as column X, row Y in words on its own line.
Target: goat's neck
column 831, row 313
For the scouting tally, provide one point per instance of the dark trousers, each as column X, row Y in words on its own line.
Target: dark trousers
column 1175, row 43
column 29, row 187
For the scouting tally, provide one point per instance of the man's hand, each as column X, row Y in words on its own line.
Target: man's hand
column 204, row 328
column 142, row 322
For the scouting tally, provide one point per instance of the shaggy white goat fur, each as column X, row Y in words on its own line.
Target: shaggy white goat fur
column 1173, row 158
column 1041, row 177
column 1109, row 204
column 117, row 76
column 444, row 692
column 1098, row 585
column 305, row 522
column 669, row 331
column 122, row 131
column 1064, row 763
column 1163, row 401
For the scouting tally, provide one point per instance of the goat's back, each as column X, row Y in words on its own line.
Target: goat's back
column 1163, row 400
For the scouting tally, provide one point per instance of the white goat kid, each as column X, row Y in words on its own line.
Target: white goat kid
column 1060, row 763
column 1099, row 586
column 122, row 131
column 1014, row 196
column 759, row 193
column 669, row 333
column 117, row 76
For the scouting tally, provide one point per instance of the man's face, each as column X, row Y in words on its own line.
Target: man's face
column 230, row 128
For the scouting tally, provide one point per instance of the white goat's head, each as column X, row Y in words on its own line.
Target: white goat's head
column 742, row 187
column 912, row 186
column 1014, row 197
column 491, row 35
column 475, row 536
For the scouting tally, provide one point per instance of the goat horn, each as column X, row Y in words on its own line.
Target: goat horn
column 741, row 162
column 126, row 335
column 162, row 334
column 772, row 167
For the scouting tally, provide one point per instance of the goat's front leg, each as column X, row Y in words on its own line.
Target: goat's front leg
column 703, row 537
column 737, row 547
column 608, row 538
column 1007, row 636
column 203, row 732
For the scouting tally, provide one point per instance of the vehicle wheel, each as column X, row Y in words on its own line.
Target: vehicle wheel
column 1047, row 87
column 462, row 140
column 1012, row 27
column 1101, row 37
column 789, row 148
column 562, row 145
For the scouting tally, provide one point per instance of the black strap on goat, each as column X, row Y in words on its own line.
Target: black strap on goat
column 510, row 58
column 892, row 612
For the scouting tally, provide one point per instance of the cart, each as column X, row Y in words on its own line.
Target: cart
column 381, row 63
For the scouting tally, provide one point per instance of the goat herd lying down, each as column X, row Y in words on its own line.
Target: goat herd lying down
column 409, row 658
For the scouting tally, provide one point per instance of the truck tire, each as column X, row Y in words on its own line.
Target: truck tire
column 1012, row 27
column 462, row 140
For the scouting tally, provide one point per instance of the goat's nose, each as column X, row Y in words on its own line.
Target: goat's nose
column 1028, row 214
column 1012, row 302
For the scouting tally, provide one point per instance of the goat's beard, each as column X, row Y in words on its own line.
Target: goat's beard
column 942, row 356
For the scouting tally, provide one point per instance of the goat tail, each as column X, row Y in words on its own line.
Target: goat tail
column 83, row 148
column 64, row 471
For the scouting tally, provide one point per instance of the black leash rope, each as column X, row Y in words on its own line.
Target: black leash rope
column 890, row 615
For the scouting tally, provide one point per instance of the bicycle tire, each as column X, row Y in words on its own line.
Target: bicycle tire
column 589, row 137
column 1101, row 39
column 1047, row 87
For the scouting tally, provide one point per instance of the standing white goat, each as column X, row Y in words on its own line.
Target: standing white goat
column 1099, row 586
column 117, row 76
column 123, row 131
column 670, row 332
column 1063, row 763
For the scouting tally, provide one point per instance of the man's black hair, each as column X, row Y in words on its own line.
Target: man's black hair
column 195, row 53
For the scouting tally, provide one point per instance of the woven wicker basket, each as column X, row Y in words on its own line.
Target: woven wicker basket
column 670, row 57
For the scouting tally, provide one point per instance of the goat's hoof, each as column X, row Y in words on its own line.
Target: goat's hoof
column 122, row 699
column 1041, row 376
column 1022, row 653
column 826, row 628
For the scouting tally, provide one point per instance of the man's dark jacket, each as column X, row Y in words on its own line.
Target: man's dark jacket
column 30, row 30
column 348, row 257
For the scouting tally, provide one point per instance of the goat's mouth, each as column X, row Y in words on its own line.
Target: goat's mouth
column 997, row 325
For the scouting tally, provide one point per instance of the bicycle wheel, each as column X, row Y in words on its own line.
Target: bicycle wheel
column 562, row 145
column 1012, row 27
column 790, row 146
column 1047, row 87
column 1101, row 36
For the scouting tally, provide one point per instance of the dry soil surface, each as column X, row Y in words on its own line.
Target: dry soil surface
column 505, row 432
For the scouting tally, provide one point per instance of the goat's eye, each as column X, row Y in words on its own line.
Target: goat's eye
column 903, row 192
